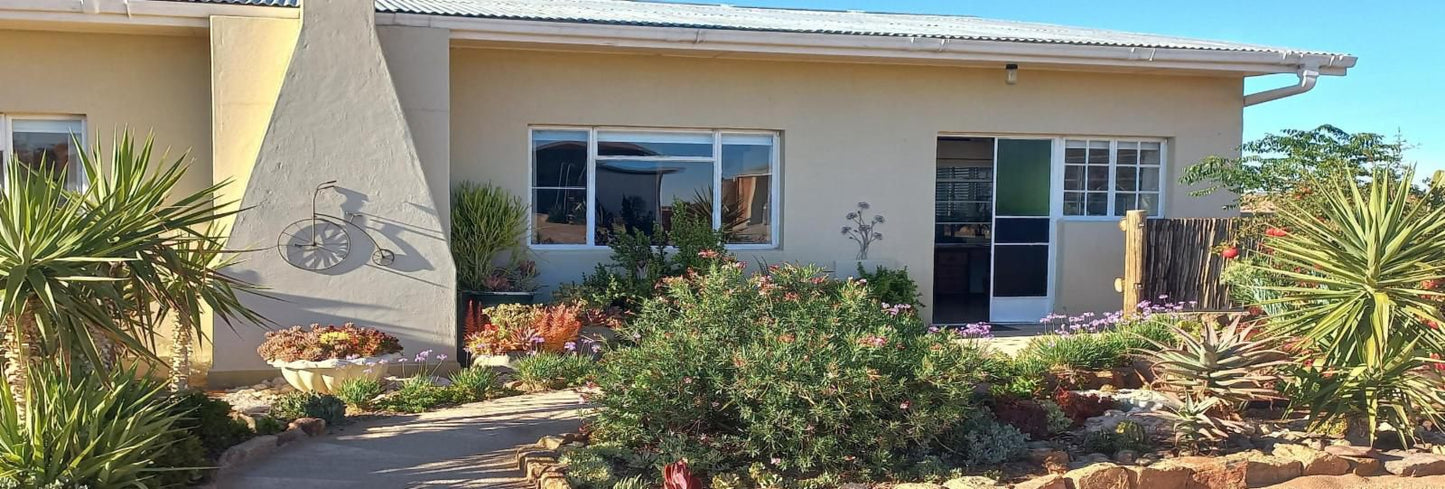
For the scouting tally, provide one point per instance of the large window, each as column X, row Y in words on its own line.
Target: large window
column 590, row 185
column 1109, row 178
column 43, row 144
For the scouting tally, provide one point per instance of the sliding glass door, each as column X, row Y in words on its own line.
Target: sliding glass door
column 1023, row 231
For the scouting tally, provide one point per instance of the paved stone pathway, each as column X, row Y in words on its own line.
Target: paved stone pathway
column 467, row 446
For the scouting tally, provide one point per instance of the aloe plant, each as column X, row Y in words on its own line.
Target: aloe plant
column 1235, row 363
column 1360, row 268
column 1196, row 426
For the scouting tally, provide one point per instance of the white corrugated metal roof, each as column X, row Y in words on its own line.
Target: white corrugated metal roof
column 711, row 16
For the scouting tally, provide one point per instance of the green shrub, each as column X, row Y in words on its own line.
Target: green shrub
column 419, row 394
column 210, row 419
column 310, row 405
column 360, row 392
column 101, row 430
column 1020, row 377
column 984, row 442
column 890, row 286
column 641, row 259
column 1058, row 420
column 270, row 425
column 554, row 370
column 588, row 469
column 182, row 463
column 476, row 384
column 731, row 370
column 1115, row 347
column 1127, row 435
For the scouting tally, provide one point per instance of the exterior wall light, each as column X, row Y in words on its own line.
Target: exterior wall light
column 1013, row 73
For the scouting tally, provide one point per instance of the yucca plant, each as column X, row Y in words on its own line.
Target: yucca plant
column 1360, row 266
column 89, row 273
column 85, row 430
column 1235, row 363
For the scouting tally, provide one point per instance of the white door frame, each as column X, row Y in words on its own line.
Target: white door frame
column 1028, row 309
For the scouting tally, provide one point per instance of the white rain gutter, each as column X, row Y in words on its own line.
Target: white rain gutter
column 105, row 14
column 1307, row 77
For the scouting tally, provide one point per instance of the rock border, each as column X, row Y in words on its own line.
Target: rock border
column 264, row 445
column 540, row 462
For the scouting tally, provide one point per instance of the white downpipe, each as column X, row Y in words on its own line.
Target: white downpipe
column 1308, row 75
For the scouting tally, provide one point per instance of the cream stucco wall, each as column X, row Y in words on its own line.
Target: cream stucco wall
column 338, row 116
column 850, row 133
column 149, row 84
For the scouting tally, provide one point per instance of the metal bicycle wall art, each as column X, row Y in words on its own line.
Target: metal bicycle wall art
column 323, row 241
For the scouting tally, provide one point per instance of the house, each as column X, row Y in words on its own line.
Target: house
column 1001, row 153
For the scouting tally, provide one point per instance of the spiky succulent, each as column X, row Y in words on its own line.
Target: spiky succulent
column 1196, row 426
column 1235, row 363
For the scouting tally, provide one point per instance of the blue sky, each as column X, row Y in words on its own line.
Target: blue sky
column 1398, row 85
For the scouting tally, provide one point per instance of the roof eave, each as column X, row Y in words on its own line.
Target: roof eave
column 866, row 48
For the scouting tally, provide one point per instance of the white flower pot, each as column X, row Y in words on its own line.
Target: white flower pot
column 325, row 376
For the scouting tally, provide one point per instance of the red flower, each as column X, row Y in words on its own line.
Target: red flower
column 678, row 476
column 1276, row 232
column 1229, row 253
column 1430, row 284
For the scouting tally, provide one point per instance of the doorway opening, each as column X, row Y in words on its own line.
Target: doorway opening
column 963, row 230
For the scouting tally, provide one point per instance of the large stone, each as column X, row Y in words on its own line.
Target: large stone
column 1051, row 481
column 1267, row 470
column 917, row 485
column 1162, row 478
column 1365, row 467
column 1209, row 472
column 1352, row 451
column 290, row 435
column 551, row 442
column 970, row 482
column 312, row 426
column 1316, row 462
column 1417, row 465
column 1100, row 476
column 247, row 450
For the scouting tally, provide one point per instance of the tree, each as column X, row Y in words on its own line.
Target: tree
column 1294, row 162
column 91, row 274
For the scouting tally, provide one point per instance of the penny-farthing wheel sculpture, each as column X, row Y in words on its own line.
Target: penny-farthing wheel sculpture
column 322, row 242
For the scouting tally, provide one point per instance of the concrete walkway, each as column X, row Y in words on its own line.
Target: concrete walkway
column 467, row 446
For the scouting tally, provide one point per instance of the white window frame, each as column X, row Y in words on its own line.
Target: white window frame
column 1112, row 188
column 7, row 146
column 774, row 183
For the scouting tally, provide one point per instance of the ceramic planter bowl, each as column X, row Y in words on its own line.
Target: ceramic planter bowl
column 325, row 376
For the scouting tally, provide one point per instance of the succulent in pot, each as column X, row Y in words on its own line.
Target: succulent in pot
column 319, row 358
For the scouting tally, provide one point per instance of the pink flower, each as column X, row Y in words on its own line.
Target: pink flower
column 904, row 405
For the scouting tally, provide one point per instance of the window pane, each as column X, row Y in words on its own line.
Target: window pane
column 654, row 144
column 747, row 162
column 1149, row 154
column 635, row 195
column 977, row 191
column 45, row 145
column 1023, row 177
column 1096, row 204
column 560, row 158
column 1073, row 203
column 1150, row 202
column 1098, row 152
column 1027, row 271
column 560, row 217
column 1128, row 153
column 1099, row 177
column 1126, row 178
column 1075, row 156
column 1073, row 177
column 1021, row 230
column 1148, row 178
column 1123, row 202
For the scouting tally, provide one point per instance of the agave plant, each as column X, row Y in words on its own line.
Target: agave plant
column 86, row 271
column 84, row 430
column 1234, row 363
column 1196, row 426
column 1359, row 269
